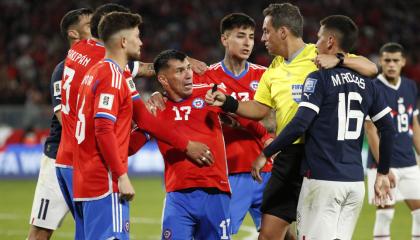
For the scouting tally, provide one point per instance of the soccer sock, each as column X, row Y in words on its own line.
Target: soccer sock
column 382, row 224
column 415, row 228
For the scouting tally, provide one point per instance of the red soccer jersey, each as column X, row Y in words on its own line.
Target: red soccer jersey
column 198, row 122
column 103, row 94
column 242, row 147
column 80, row 58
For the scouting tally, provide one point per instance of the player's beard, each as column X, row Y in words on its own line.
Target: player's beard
column 134, row 56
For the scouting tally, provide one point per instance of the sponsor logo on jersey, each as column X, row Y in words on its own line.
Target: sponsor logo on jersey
column 198, row 103
column 297, row 92
column 310, row 84
column 127, row 226
column 254, row 85
column 167, row 234
column 106, row 100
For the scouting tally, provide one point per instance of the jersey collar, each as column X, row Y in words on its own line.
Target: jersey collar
column 288, row 61
column 236, row 77
column 384, row 81
column 113, row 62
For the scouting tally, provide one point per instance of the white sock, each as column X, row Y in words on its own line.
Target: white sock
column 415, row 228
column 383, row 220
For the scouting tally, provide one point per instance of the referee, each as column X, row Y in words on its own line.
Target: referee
column 280, row 89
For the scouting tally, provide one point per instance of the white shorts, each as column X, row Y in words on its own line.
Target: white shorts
column 49, row 207
column 328, row 209
column 407, row 184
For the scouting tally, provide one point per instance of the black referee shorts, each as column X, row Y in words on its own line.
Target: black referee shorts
column 281, row 193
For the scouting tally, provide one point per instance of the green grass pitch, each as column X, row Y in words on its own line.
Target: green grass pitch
column 16, row 202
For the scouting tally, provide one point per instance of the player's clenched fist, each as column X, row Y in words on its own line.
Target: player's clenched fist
column 215, row 98
column 125, row 188
column 199, row 153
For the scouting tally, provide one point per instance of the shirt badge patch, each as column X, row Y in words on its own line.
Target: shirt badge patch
column 131, row 84
column 106, row 100
column 254, row 85
column 198, row 103
column 310, row 84
column 297, row 92
column 57, row 88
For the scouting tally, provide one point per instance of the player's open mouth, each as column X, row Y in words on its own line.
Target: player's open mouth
column 188, row 85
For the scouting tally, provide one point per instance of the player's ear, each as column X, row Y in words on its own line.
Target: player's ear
column 403, row 61
column 162, row 80
column 123, row 42
column 223, row 39
column 73, row 34
column 331, row 41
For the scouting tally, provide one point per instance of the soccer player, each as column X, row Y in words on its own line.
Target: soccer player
column 280, row 88
column 240, row 79
column 198, row 191
column 80, row 58
column 333, row 107
column 49, row 207
column 102, row 188
column 401, row 95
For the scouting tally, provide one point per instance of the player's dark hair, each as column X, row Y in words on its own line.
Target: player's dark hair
column 114, row 22
column 102, row 11
column 392, row 47
column 162, row 59
column 346, row 30
column 236, row 20
column 285, row 15
column 71, row 18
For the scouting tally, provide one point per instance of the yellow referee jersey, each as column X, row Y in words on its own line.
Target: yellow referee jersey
column 280, row 86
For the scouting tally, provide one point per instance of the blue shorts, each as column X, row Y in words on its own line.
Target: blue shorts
column 106, row 218
column 196, row 214
column 65, row 180
column 247, row 195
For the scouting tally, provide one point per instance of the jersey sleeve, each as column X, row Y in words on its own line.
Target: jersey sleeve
column 107, row 95
column 379, row 108
column 415, row 109
column 263, row 93
column 135, row 95
column 313, row 92
column 134, row 68
column 55, row 86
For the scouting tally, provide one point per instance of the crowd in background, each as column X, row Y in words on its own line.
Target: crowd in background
column 31, row 45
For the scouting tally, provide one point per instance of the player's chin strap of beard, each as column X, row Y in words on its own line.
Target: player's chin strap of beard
column 230, row 104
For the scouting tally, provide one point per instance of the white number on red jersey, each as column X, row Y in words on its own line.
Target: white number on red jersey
column 81, row 124
column 241, row 96
column 68, row 75
column 184, row 110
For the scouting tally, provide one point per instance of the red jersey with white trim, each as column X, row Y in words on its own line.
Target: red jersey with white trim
column 199, row 122
column 102, row 94
column 242, row 147
column 80, row 58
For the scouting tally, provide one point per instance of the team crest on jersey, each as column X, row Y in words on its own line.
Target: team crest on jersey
column 167, row 234
column 198, row 103
column 310, row 84
column 297, row 92
column 106, row 100
column 127, row 226
column 254, row 85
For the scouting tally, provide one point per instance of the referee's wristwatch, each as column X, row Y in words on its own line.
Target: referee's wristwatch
column 340, row 57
